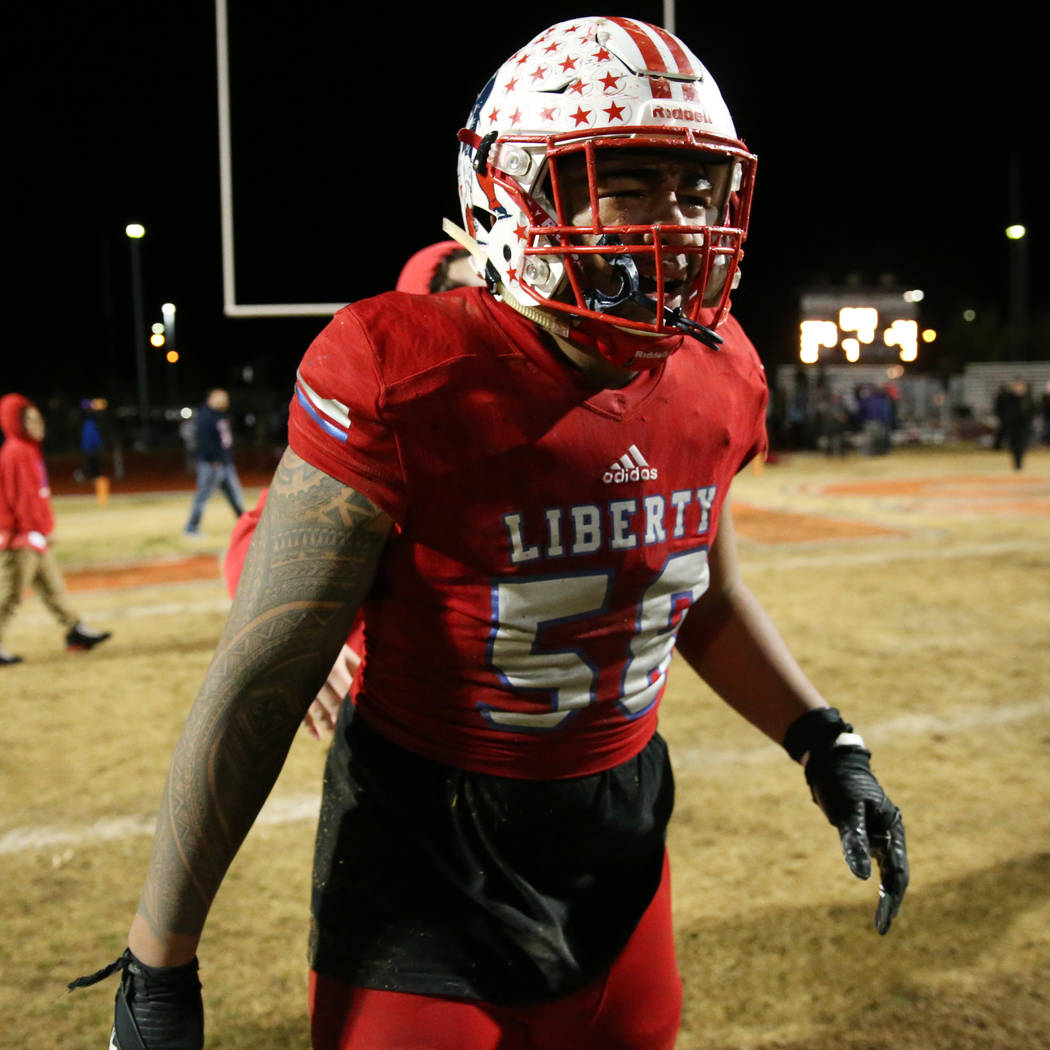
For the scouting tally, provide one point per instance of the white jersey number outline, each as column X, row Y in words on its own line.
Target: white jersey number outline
column 523, row 609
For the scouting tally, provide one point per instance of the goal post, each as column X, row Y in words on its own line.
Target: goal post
column 230, row 306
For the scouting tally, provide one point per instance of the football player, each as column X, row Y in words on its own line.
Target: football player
column 524, row 486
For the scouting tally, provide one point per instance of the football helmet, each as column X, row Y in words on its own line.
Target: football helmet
column 578, row 89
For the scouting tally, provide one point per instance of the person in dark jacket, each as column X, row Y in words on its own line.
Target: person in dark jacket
column 1017, row 414
column 215, row 466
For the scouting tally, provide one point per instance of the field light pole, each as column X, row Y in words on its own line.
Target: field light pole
column 135, row 231
column 1017, row 235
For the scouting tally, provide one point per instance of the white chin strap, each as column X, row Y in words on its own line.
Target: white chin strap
column 533, row 313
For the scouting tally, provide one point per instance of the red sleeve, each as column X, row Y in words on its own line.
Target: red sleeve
column 240, row 538
column 336, row 420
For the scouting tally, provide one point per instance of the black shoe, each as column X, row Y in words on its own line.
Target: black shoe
column 6, row 659
column 80, row 638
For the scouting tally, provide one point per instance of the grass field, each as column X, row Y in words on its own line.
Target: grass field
column 915, row 589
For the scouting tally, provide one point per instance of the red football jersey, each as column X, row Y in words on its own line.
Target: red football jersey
column 550, row 537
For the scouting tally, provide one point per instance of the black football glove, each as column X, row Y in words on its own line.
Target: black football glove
column 838, row 771
column 156, row 1008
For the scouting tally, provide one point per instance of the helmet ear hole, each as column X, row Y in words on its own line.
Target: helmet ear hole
column 481, row 158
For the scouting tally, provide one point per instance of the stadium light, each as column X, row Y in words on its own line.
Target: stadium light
column 904, row 335
column 860, row 319
column 135, row 231
column 812, row 336
column 167, row 311
column 1016, row 232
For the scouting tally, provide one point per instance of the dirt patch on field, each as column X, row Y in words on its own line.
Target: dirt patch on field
column 1025, row 496
column 754, row 523
column 780, row 526
column 144, row 573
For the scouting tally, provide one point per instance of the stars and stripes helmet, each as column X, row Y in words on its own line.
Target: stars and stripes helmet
column 580, row 87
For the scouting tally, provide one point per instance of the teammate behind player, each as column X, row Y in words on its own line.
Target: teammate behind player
column 525, row 486
column 435, row 268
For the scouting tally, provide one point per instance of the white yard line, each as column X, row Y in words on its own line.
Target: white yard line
column 132, row 612
column 879, row 732
column 291, row 810
column 763, row 557
column 295, row 809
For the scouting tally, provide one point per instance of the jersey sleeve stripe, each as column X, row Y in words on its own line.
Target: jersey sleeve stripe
column 318, row 408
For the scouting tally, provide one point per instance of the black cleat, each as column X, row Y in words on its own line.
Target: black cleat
column 80, row 639
column 6, row 658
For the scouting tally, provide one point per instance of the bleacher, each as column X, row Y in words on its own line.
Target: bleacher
column 981, row 382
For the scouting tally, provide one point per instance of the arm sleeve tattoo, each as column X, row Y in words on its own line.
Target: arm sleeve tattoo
column 311, row 562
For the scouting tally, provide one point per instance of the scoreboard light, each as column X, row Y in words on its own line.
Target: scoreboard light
column 905, row 336
column 852, row 349
column 812, row 336
column 860, row 319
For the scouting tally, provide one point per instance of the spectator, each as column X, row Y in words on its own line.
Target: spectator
column 1003, row 399
column 1017, row 413
column 874, row 412
column 26, row 524
column 92, row 447
column 213, row 448
column 832, row 420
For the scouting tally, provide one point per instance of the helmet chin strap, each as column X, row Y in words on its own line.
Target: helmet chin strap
column 631, row 292
column 533, row 313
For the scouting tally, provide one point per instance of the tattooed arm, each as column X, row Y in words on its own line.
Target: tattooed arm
column 311, row 561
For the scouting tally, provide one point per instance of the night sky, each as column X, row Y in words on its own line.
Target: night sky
column 885, row 143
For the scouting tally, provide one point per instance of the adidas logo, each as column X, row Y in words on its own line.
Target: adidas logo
column 631, row 466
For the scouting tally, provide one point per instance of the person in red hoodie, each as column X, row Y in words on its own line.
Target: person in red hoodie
column 435, row 268
column 26, row 523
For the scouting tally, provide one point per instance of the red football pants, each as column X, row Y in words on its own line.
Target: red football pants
column 636, row 1005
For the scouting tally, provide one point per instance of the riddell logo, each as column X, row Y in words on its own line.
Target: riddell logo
column 681, row 113
column 631, row 466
